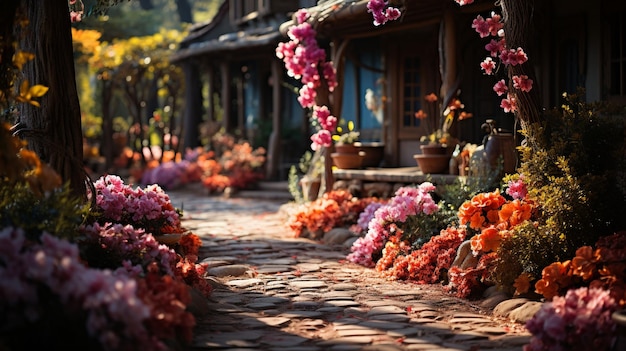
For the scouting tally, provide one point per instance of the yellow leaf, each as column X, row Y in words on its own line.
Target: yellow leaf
column 21, row 57
column 38, row 90
column 24, row 89
column 34, row 103
column 350, row 125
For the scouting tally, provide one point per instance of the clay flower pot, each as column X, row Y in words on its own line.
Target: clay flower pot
column 433, row 164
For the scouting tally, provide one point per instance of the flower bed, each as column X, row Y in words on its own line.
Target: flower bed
column 92, row 278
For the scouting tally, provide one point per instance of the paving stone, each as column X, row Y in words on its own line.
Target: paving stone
column 404, row 332
column 301, row 314
column 244, row 283
column 362, row 339
column 357, row 331
column 385, row 310
column 261, row 305
column 234, row 270
column 303, row 284
column 343, row 287
column 341, row 303
column 394, row 317
column 383, row 325
column 273, row 269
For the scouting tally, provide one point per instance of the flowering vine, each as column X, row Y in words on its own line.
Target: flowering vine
column 306, row 61
column 497, row 48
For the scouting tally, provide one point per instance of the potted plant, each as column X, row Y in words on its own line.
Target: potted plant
column 438, row 144
column 347, row 155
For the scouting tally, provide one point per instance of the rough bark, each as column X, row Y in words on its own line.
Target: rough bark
column 7, row 20
column 53, row 130
column 518, row 28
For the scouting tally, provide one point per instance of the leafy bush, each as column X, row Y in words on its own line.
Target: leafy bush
column 572, row 171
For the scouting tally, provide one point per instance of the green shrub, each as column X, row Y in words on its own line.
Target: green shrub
column 572, row 170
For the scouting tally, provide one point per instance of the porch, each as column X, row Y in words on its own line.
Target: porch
column 382, row 182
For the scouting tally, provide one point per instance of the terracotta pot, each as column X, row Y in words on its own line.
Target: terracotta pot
column 346, row 149
column 374, row 153
column 347, row 160
column 433, row 164
column 433, row 149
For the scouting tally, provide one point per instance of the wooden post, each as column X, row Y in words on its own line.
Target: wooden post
column 273, row 152
column 226, row 96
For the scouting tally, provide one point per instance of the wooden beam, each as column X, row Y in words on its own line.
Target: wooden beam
column 274, row 150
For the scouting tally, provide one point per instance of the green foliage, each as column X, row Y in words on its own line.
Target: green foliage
column 572, row 170
column 529, row 250
column 452, row 196
column 58, row 212
column 293, row 183
column 310, row 165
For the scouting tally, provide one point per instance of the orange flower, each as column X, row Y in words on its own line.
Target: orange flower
column 421, row 114
column 456, row 105
column 522, row 283
column 515, row 212
column 553, row 278
column 476, row 221
column 488, row 240
column 584, row 263
column 432, row 97
column 465, row 115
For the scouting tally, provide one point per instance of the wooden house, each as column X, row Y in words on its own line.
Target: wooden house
column 431, row 48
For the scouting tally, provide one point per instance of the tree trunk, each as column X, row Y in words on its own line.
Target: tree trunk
column 518, row 28
column 193, row 106
column 7, row 20
column 54, row 130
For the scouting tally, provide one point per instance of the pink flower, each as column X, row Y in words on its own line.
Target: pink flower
column 495, row 46
column 579, row 321
column 495, row 23
column 380, row 14
column 509, row 104
column 500, row 87
column 522, row 83
column 488, row 65
column 321, row 139
column 307, row 96
column 464, row 2
column 302, row 15
column 517, row 189
column 481, row 26
column 324, row 118
column 513, row 57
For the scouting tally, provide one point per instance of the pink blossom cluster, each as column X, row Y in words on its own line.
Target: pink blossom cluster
column 382, row 13
column 120, row 203
column 517, row 188
column 366, row 216
column 306, row 61
column 497, row 48
column 407, row 201
column 122, row 243
column 326, row 124
column 579, row 321
column 114, row 314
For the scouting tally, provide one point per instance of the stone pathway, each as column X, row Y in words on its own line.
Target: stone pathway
column 276, row 292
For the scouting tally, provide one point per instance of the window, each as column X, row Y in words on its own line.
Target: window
column 413, row 91
column 617, row 66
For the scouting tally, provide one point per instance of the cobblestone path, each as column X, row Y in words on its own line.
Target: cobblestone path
column 276, row 292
